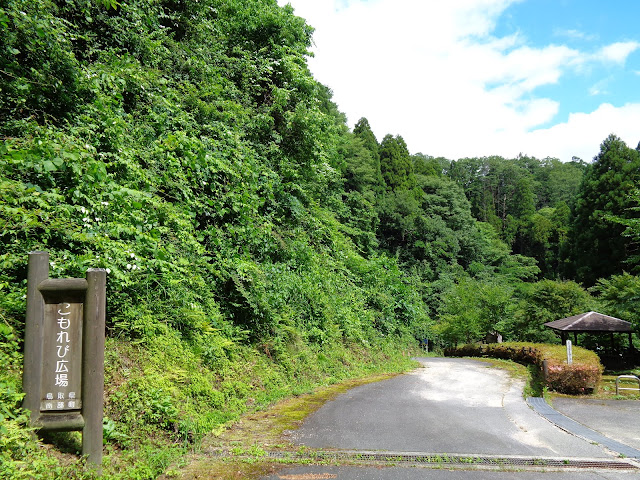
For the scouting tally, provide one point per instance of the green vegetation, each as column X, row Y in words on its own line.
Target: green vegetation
column 599, row 248
column 607, row 390
column 256, row 247
column 244, row 443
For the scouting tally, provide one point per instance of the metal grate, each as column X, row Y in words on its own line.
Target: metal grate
column 462, row 460
column 435, row 459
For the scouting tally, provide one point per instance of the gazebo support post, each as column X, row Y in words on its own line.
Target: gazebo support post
column 575, row 338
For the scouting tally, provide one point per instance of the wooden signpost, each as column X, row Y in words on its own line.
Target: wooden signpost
column 63, row 377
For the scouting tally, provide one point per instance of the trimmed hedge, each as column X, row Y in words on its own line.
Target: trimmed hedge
column 583, row 376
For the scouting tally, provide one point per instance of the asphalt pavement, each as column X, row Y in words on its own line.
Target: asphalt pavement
column 319, row 472
column 588, row 433
column 616, row 419
column 452, row 407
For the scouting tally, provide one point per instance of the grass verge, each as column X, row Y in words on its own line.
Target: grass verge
column 244, row 444
column 165, row 397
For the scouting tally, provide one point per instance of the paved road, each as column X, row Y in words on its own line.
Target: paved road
column 618, row 419
column 396, row 473
column 451, row 406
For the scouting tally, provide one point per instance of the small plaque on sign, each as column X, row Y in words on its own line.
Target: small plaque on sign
column 62, row 357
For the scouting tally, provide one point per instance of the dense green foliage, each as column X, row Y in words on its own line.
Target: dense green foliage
column 599, row 248
column 528, row 201
column 255, row 246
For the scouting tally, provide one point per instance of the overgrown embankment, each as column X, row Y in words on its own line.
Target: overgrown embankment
column 163, row 398
column 186, row 148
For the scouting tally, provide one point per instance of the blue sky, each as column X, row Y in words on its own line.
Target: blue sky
column 583, row 25
column 483, row 77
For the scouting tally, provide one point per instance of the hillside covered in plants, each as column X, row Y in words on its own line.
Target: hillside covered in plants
column 256, row 246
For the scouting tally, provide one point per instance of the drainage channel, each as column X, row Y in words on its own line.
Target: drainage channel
column 441, row 459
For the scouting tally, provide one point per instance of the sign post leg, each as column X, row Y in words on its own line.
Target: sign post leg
column 93, row 364
column 38, row 270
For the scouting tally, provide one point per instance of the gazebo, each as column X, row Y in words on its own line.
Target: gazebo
column 591, row 322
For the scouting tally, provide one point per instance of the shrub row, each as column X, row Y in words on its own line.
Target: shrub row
column 582, row 376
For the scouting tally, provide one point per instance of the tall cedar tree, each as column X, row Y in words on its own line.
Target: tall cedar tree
column 395, row 163
column 599, row 248
column 363, row 131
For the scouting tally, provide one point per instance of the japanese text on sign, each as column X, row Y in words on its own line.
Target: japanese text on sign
column 62, row 352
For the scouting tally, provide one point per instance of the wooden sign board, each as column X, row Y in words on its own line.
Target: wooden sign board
column 63, row 377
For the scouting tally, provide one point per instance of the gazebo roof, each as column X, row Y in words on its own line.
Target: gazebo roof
column 590, row 322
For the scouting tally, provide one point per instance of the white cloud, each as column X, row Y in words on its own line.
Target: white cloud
column 617, row 52
column 583, row 133
column 435, row 73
